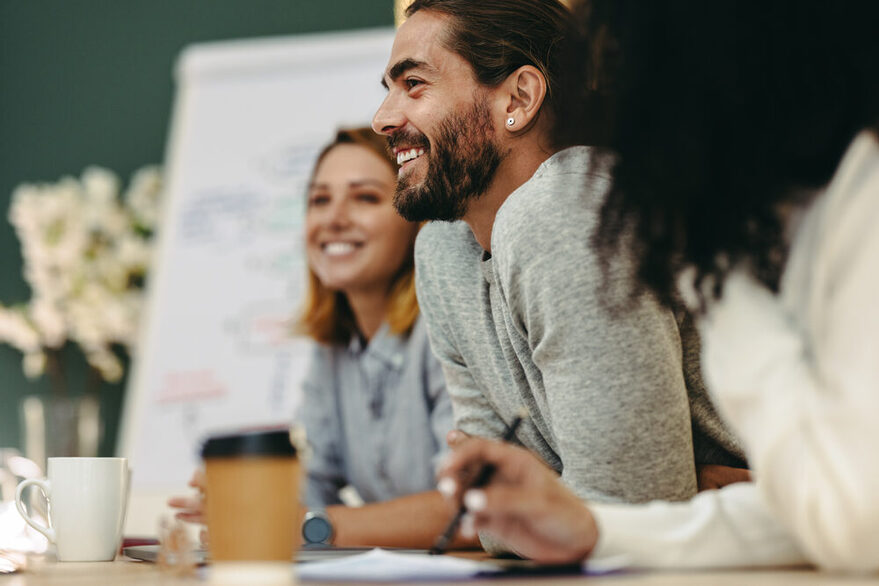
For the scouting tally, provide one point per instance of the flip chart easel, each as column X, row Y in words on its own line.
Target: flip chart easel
column 216, row 351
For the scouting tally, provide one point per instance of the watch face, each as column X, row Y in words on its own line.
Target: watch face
column 317, row 529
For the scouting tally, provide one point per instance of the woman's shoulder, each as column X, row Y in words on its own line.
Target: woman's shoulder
column 413, row 341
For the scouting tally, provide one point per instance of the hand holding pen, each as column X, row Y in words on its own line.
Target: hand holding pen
column 481, row 479
column 522, row 502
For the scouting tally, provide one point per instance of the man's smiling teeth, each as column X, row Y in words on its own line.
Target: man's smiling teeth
column 338, row 248
column 408, row 155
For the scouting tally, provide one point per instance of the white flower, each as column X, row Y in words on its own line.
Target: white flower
column 16, row 330
column 107, row 364
column 134, row 253
column 132, row 304
column 49, row 321
column 86, row 251
column 100, row 186
column 34, row 364
column 142, row 198
column 86, row 316
column 111, row 273
column 48, row 221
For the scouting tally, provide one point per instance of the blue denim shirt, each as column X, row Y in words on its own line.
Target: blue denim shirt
column 376, row 417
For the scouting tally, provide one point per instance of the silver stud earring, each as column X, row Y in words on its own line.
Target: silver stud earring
column 511, row 121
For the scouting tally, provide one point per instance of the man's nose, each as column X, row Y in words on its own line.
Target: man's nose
column 389, row 117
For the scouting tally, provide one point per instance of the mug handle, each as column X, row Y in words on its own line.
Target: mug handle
column 44, row 486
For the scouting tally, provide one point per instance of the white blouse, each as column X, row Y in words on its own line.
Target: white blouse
column 797, row 376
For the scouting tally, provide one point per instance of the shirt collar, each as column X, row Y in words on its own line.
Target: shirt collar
column 384, row 346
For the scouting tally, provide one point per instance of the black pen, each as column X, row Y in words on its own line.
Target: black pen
column 481, row 480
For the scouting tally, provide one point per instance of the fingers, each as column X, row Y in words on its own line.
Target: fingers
column 198, row 480
column 456, row 437
column 523, row 503
column 447, row 487
column 472, row 455
column 712, row 476
column 505, row 501
column 190, row 517
column 545, row 521
column 191, row 509
column 185, row 502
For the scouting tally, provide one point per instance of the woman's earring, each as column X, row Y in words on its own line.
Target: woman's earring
column 511, row 121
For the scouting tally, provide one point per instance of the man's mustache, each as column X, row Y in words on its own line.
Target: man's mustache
column 409, row 139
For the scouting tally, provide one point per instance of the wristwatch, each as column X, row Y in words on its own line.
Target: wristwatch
column 317, row 528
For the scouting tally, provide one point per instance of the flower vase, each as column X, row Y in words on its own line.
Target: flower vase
column 60, row 426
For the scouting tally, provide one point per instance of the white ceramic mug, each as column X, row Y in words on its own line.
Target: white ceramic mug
column 87, row 500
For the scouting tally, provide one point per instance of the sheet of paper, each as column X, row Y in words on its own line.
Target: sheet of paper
column 382, row 565
column 607, row 565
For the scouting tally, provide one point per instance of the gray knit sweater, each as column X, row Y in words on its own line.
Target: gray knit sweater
column 527, row 326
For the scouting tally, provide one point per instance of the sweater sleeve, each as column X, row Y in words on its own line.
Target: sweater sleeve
column 441, row 419
column 730, row 527
column 473, row 413
column 804, row 390
column 614, row 386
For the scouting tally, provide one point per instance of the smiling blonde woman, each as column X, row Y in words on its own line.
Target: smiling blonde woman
column 375, row 404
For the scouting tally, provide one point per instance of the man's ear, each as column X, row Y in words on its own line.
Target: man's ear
column 522, row 95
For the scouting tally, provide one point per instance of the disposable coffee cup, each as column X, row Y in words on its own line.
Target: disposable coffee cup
column 87, row 501
column 252, row 497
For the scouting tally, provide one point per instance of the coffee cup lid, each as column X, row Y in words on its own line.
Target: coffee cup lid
column 254, row 443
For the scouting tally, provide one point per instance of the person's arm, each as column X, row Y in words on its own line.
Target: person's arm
column 474, row 417
column 812, row 441
column 442, row 420
column 726, row 528
column 803, row 390
column 540, row 518
column 191, row 508
column 525, row 505
column 614, row 387
column 473, row 413
column 713, row 476
column 412, row 521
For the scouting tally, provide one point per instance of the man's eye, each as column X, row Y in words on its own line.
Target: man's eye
column 316, row 200
column 412, row 83
column 367, row 197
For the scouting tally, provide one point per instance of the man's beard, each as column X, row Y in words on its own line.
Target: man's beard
column 462, row 162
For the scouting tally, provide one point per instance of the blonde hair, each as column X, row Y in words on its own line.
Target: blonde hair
column 326, row 315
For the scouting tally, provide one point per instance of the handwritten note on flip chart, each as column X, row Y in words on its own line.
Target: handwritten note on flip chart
column 217, row 354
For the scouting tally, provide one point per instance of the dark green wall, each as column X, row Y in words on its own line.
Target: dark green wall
column 87, row 82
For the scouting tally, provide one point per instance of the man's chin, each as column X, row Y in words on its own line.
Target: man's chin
column 416, row 205
column 410, row 206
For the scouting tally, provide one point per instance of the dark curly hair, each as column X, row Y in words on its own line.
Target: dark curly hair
column 725, row 112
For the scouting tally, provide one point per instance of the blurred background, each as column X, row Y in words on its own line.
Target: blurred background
column 89, row 82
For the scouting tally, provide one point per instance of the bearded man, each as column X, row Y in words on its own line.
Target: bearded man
column 514, row 296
